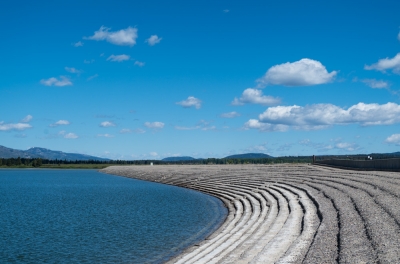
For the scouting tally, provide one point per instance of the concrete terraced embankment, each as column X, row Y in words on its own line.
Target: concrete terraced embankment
column 290, row 213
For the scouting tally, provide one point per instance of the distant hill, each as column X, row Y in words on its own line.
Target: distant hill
column 183, row 158
column 249, row 156
column 44, row 154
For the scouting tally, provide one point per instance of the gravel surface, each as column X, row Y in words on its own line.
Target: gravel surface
column 290, row 213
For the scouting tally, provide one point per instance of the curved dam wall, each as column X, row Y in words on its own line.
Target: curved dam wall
column 382, row 164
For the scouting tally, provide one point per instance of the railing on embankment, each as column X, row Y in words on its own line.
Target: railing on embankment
column 380, row 164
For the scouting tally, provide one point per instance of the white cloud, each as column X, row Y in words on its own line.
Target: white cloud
column 189, row 102
column 70, row 136
column 376, row 84
column 153, row 40
column 398, row 36
column 123, row 37
column 299, row 73
column 63, row 81
column 60, row 123
column 386, row 64
column 139, row 131
column 105, row 135
column 125, row 131
column 154, row 125
column 17, row 126
column 393, row 139
column 73, row 70
column 264, row 127
column 347, row 146
column 88, row 61
column 27, row 119
column 187, row 128
column 153, row 154
column 254, row 96
column 107, row 124
column 118, row 58
column 320, row 116
column 78, row 44
column 139, row 63
column 202, row 125
column 92, row 77
column 230, row 115
column 225, row 10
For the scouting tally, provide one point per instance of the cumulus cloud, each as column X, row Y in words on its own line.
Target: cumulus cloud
column 189, row 102
column 10, row 126
column 139, row 63
column 393, row 139
column 107, row 124
column 123, row 37
column 299, row 73
column 70, row 136
column 60, row 123
column 153, row 40
column 78, row 44
column 320, row 116
column 62, row 81
column 230, row 115
column 118, row 58
column 376, row 84
column 27, row 119
column 154, row 125
column 255, row 96
column 386, row 64
column 105, row 135
column 73, row 70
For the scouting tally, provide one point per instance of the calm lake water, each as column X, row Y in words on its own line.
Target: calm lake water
column 83, row 216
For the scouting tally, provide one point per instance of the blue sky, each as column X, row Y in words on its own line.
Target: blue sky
column 151, row 79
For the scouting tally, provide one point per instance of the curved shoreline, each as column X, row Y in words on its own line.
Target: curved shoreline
column 290, row 213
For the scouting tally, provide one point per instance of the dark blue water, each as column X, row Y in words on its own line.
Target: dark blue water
column 83, row 216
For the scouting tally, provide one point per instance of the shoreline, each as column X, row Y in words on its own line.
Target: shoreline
column 290, row 213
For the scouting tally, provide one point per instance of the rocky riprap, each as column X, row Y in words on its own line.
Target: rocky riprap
column 290, row 213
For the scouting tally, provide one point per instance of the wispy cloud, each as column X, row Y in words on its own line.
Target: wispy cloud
column 10, row 126
column 304, row 72
column 154, row 125
column 153, row 40
column 107, row 124
column 60, row 123
column 139, row 63
column 62, row 81
column 376, row 84
column 78, row 44
column 71, row 136
column 386, row 64
column 92, row 77
column 190, row 102
column 255, row 96
column 123, row 37
column 88, row 61
column 230, row 115
column 105, row 135
column 73, row 70
column 226, row 10
column 27, row 119
column 118, row 58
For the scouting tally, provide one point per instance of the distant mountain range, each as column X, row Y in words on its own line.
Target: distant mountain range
column 43, row 153
column 183, row 158
column 237, row 156
column 249, row 156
